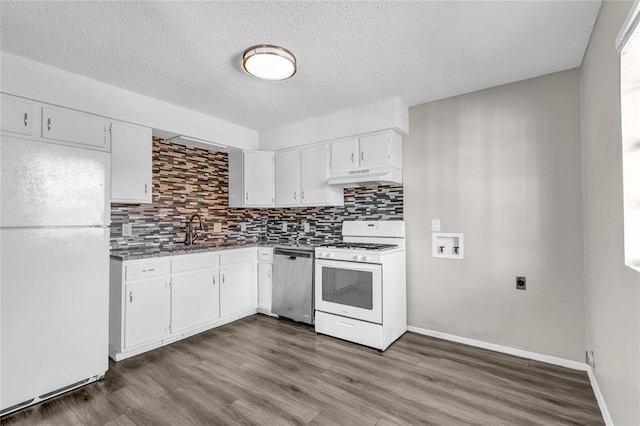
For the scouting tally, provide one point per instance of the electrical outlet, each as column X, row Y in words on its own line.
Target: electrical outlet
column 307, row 227
column 284, row 226
column 521, row 283
column 435, row 225
column 127, row 229
column 590, row 359
column 217, row 227
column 243, row 227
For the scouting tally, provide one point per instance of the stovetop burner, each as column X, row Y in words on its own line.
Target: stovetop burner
column 359, row 246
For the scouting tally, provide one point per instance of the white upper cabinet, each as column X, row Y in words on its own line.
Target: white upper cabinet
column 374, row 150
column 287, row 177
column 301, row 178
column 382, row 149
column 131, row 163
column 18, row 115
column 344, row 155
column 314, row 172
column 64, row 125
column 251, row 179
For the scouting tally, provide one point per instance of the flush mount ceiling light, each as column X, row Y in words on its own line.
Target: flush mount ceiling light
column 269, row 62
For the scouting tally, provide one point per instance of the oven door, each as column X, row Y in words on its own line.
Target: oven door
column 349, row 289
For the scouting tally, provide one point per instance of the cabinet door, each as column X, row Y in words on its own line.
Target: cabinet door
column 238, row 288
column 374, row 150
column 314, row 171
column 131, row 158
column 344, row 155
column 258, row 178
column 75, row 127
column 264, row 285
column 287, row 178
column 145, row 311
column 17, row 116
column 195, row 299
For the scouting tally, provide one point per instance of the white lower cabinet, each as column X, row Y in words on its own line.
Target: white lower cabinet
column 265, row 279
column 153, row 302
column 195, row 299
column 237, row 288
column 145, row 312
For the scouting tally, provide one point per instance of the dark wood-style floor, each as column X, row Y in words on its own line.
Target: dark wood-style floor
column 261, row 370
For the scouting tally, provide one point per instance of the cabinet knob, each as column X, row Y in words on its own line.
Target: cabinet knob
column 49, row 123
column 130, row 297
column 26, row 119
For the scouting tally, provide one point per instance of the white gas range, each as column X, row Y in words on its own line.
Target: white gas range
column 360, row 284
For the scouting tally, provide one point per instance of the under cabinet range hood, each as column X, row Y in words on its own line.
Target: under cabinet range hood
column 383, row 175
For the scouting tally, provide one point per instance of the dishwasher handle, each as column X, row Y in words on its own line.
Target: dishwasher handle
column 293, row 254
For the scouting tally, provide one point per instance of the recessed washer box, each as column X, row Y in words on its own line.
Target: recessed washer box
column 448, row 245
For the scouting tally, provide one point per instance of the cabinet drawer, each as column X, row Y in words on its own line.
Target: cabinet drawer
column 191, row 262
column 75, row 127
column 237, row 256
column 364, row 333
column 17, row 116
column 145, row 270
column 265, row 254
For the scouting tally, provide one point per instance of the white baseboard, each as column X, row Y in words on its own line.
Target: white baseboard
column 574, row 365
column 596, row 390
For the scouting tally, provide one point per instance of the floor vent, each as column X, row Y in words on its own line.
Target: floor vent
column 66, row 388
column 15, row 407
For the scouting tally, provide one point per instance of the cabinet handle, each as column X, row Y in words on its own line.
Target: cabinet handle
column 26, row 119
column 246, row 196
column 49, row 124
column 269, row 273
column 146, row 186
column 362, row 156
column 222, row 278
column 352, row 157
column 295, row 195
column 214, row 280
column 149, row 270
column 130, row 297
column 302, row 195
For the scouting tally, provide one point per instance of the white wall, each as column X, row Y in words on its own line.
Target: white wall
column 390, row 113
column 612, row 289
column 502, row 166
column 30, row 79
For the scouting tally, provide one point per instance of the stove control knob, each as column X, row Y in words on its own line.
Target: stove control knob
column 356, row 257
column 363, row 259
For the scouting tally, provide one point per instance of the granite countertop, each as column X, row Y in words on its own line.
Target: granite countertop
column 144, row 252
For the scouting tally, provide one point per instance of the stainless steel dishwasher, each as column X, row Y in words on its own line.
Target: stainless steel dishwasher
column 293, row 284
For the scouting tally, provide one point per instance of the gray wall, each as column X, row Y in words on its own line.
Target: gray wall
column 502, row 166
column 613, row 290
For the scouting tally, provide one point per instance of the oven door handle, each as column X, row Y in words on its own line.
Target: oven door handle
column 344, row 324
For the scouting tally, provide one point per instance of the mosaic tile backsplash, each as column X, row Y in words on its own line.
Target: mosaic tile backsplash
column 189, row 180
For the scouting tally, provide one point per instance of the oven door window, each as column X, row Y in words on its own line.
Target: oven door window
column 348, row 287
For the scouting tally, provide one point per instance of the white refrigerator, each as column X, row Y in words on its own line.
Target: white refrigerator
column 54, row 269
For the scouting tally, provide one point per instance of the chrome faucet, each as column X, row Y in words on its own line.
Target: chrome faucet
column 192, row 235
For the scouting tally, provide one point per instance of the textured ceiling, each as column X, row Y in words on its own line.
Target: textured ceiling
column 349, row 53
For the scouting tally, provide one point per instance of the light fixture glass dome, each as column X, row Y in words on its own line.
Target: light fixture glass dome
column 269, row 62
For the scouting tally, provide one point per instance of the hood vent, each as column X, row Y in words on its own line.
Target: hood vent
column 384, row 175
